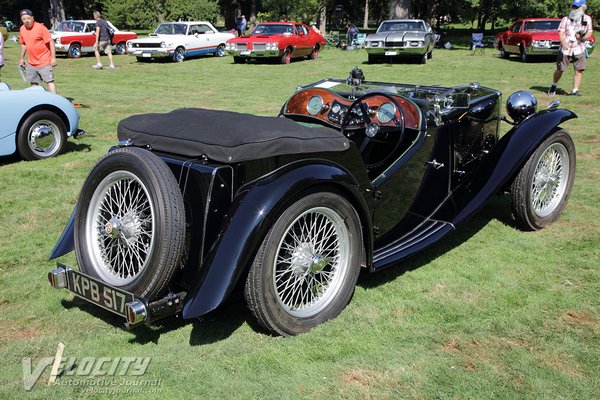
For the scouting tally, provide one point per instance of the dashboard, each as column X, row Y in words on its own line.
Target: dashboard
column 331, row 108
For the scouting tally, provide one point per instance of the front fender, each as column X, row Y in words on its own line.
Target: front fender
column 66, row 242
column 252, row 214
column 505, row 160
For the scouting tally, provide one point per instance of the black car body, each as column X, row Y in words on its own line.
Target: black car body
column 352, row 174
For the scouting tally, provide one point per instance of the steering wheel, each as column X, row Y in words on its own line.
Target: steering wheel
column 376, row 134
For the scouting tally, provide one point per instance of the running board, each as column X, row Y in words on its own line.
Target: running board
column 424, row 235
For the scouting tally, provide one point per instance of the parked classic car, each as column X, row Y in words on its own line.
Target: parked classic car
column 75, row 37
column 401, row 38
column 180, row 40
column 35, row 123
column 351, row 174
column 281, row 41
column 532, row 37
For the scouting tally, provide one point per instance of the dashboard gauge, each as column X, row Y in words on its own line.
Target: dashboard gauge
column 335, row 109
column 386, row 112
column 315, row 105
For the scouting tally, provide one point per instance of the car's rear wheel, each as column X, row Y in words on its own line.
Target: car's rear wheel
column 220, row 50
column 74, row 50
column 121, row 48
column 541, row 189
column 305, row 271
column 179, row 54
column 286, row 57
column 314, row 54
column 43, row 134
column 130, row 222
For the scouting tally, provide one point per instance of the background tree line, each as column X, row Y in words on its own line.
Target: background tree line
column 335, row 14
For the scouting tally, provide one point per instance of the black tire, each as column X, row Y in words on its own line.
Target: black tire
column 314, row 53
column 130, row 222
column 306, row 267
column 179, row 54
column 238, row 60
column 286, row 57
column 541, row 189
column 430, row 55
column 74, row 51
column 503, row 52
column 523, row 55
column 121, row 48
column 424, row 59
column 372, row 59
column 220, row 50
column 43, row 134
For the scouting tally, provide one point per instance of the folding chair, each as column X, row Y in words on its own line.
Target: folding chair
column 477, row 45
column 333, row 38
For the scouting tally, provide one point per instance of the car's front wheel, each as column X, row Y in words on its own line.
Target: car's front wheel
column 541, row 189
column 179, row 54
column 74, row 51
column 305, row 271
column 503, row 52
column 523, row 55
column 424, row 59
column 121, row 48
column 220, row 50
column 286, row 57
column 130, row 222
column 43, row 134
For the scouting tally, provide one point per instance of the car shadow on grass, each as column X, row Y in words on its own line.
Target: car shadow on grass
column 69, row 147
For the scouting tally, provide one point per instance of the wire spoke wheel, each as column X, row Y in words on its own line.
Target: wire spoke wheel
column 122, row 220
column 550, row 180
column 305, row 271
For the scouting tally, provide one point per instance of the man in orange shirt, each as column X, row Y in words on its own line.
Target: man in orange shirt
column 36, row 42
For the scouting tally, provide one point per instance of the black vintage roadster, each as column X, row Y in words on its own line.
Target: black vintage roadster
column 351, row 174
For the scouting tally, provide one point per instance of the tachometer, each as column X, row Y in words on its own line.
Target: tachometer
column 315, row 105
column 386, row 112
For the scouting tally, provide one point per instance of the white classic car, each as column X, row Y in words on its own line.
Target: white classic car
column 180, row 40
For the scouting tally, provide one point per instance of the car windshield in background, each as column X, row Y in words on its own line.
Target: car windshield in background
column 171, row 29
column 401, row 26
column 70, row 26
column 273, row 29
column 541, row 25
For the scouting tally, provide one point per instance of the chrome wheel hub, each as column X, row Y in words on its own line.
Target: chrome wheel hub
column 550, row 180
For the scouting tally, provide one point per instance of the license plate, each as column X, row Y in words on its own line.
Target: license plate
column 245, row 53
column 391, row 53
column 95, row 291
column 146, row 55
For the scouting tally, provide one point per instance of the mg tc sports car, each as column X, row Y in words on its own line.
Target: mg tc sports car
column 75, row 37
column 401, row 38
column 180, row 40
column 352, row 174
column 280, row 41
column 532, row 37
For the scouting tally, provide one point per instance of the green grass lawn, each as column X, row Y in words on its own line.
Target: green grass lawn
column 492, row 312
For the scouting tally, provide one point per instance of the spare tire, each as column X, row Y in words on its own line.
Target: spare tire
column 130, row 222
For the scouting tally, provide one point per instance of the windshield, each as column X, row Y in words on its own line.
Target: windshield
column 398, row 26
column 70, row 26
column 542, row 25
column 273, row 29
column 171, row 29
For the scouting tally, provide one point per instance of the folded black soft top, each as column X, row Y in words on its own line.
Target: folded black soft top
column 227, row 136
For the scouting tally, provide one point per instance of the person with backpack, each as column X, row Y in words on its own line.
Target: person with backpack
column 103, row 41
column 573, row 31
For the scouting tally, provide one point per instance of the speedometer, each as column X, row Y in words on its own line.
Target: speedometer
column 315, row 105
column 386, row 112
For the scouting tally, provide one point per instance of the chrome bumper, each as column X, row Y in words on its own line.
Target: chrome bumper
column 254, row 53
column 150, row 53
column 396, row 51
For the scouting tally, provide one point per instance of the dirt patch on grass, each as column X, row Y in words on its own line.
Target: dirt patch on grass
column 563, row 363
column 359, row 378
column 581, row 319
column 9, row 332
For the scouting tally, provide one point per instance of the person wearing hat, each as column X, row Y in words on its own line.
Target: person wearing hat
column 573, row 31
column 37, row 43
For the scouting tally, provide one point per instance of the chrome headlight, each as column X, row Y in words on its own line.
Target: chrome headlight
column 57, row 40
column 520, row 105
column 163, row 44
column 272, row 46
column 129, row 45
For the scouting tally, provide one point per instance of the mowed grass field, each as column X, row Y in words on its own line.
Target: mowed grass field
column 492, row 312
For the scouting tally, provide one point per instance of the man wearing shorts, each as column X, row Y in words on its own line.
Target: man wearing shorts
column 102, row 41
column 573, row 31
column 38, row 45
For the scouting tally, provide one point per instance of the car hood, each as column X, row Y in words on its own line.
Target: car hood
column 157, row 38
column 397, row 36
column 544, row 35
column 260, row 38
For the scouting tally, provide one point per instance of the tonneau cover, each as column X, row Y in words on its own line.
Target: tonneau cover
column 227, row 136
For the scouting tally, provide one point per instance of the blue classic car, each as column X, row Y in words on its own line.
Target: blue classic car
column 352, row 174
column 35, row 123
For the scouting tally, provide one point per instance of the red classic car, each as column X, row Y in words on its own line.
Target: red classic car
column 75, row 37
column 532, row 37
column 280, row 40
